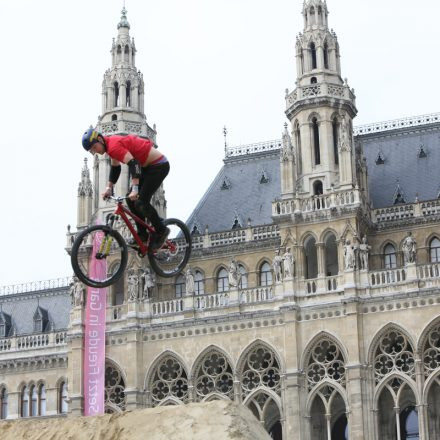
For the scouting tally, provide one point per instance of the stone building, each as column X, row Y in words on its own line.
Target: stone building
column 313, row 291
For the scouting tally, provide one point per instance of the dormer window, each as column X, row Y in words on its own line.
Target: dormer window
column 195, row 230
column 422, row 154
column 41, row 320
column 2, row 330
column 38, row 325
column 226, row 184
column 264, row 177
column 380, row 159
column 5, row 325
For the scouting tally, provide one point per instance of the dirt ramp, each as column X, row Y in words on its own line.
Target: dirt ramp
column 218, row 420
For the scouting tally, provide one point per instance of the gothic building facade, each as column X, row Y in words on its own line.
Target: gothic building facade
column 312, row 293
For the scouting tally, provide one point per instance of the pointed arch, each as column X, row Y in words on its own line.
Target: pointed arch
column 159, row 358
column 212, row 373
column 318, row 387
column 115, row 384
column 204, row 352
column 386, row 381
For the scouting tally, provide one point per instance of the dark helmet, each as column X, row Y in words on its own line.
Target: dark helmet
column 89, row 138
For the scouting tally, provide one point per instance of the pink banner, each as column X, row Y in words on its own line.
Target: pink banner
column 94, row 343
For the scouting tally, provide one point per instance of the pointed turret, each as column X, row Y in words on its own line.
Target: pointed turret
column 85, row 196
column 321, row 108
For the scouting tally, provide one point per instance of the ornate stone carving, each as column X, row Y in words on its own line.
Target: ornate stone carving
column 214, row 376
column 409, row 248
column 149, row 281
column 364, row 251
column 325, row 362
column 189, row 282
column 115, row 398
column 234, row 274
column 288, row 264
column 133, row 285
column 76, row 292
column 349, row 256
column 277, row 266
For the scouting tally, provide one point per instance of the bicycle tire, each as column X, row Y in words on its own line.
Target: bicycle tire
column 182, row 241
column 81, row 270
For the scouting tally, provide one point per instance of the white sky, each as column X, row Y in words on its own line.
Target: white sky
column 206, row 64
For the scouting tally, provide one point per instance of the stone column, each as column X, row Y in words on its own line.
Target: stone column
column 356, row 403
column 320, row 57
column 300, row 258
column 123, row 95
column 421, row 407
column 320, row 249
column 135, row 98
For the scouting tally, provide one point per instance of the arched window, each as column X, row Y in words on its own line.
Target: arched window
column 34, row 401
column 434, row 250
column 222, row 280
column 119, row 53
column 317, row 188
column 63, row 406
column 128, row 94
column 312, row 16
column 4, row 403
column 117, row 291
column 265, row 274
column 298, row 145
column 126, row 52
column 311, row 258
column 390, row 258
column 335, row 140
column 243, row 277
column 325, row 55
column 331, row 256
column 316, row 148
column 199, row 283
column 313, row 80
column 41, row 400
column 114, row 117
column 409, row 424
column 180, row 286
column 116, row 93
column 313, row 55
column 24, row 407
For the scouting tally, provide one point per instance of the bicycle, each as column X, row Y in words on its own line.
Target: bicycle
column 167, row 261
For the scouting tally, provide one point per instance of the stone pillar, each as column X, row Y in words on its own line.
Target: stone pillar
column 320, row 57
column 356, row 403
column 76, row 359
column 292, row 407
column 135, row 98
column 320, row 249
column 422, row 407
column 123, row 95
column 14, row 403
column 300, row 258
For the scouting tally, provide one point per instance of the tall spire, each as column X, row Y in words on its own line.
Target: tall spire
column 124, row 22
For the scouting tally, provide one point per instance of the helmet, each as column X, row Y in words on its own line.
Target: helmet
column 89, row 138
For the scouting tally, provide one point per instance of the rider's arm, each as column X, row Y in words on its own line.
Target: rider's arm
column 134, row 167
column 115, row 171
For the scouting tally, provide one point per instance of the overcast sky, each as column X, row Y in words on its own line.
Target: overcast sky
column 206, row 64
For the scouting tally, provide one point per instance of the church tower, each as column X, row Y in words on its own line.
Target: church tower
column 123, row 105
column 321, row 110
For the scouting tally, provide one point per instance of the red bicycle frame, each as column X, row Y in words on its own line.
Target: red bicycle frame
column 122, row 211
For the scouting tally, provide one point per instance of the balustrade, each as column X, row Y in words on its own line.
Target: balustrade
column 429, row 271
column 259, row 294
column 386, row 277
column 31, row 342
column 166, row 307
column 211, row 301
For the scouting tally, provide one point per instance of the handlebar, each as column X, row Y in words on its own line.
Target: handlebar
column 117, row 199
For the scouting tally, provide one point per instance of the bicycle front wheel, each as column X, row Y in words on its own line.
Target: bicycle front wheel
column 172, row 257
column 106, row 244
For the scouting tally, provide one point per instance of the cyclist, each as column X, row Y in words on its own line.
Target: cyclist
column 148, row 168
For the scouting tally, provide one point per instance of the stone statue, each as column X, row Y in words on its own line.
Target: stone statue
column 344, row 140
column 189, row 280
column 277, row 262
column 364, row 250
column 76, row 292
column 288, row 264
column 357, row 252
column 149, row 282
column 409, row 249
column 234, row 274
column 349, row 255
column 133, row 285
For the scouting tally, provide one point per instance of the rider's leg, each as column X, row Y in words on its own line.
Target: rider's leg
column 151, row 179
column 142, row 232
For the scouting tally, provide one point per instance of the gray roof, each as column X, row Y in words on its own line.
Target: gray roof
column 22, row 308
column 238, row 194
column 403, row 169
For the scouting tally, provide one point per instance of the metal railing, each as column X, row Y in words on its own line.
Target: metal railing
column 35, row 286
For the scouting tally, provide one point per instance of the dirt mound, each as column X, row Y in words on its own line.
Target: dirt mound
column 218, row 420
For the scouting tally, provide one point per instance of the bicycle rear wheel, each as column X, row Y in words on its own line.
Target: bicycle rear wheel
column 171, row 259
column 109, row 246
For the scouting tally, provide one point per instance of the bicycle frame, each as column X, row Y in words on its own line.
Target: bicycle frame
column 122, row 211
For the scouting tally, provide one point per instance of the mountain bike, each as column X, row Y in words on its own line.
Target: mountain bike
column 111, row 246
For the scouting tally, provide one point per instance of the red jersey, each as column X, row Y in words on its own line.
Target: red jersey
column 118, row 146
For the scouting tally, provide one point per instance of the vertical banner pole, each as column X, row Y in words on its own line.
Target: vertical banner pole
column 94, row 341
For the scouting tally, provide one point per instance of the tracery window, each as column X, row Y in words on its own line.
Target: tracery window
column 265, row 275
column 393, row 353
column 214, row 376
column 63, row 406
column 390, row 258
column 431, row 351
column 325, row 362
column 261, row 369
column 180, row 286
column 222, row 281
column 114, row 393
column 3, row 403
column 169, row 381
column 266, row 411
column 434, row 250
column 199, row 283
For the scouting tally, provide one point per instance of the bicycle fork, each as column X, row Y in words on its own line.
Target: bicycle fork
column 106, row 243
